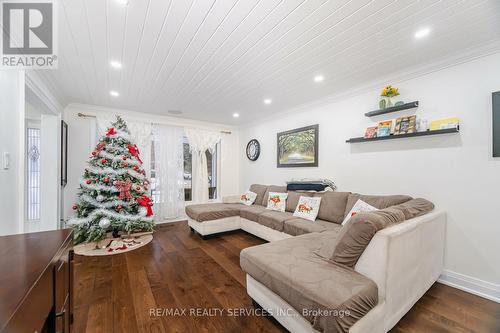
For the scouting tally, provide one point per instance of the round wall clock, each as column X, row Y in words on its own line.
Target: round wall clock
column 253, row 150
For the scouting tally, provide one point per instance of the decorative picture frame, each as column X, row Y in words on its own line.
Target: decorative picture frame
column 64, row 153
column 298, row 147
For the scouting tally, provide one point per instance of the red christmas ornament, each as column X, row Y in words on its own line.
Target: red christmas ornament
column 146, row 202
column 100, row 147
column 75, row 207
column 125, row 165
column 124, row 158
column 119, row 207
column 94, row 153
column 104, row 161
column 106, row 180
column 111, row 131
column 138, row 188
column 88, row 182
column 136, row 168
column 134, row 151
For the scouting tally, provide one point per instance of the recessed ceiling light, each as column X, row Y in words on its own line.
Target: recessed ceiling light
column 268, row 101
column 122, row 2
column 236, row 115
column 319, row 78
column 174, row 111
column 114, row 93
column 115, row 64
column 421, row 33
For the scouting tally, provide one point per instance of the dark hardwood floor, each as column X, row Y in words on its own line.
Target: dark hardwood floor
column 179, row 270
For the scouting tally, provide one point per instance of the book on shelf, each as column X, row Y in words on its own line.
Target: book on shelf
column 384, row 128
column 439, row 124
column 405, row 125
column 371, row 132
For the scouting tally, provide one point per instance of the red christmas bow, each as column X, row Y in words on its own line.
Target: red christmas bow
column 111, row 131
column 124, row 188
column 146, row 202
column 134, row 151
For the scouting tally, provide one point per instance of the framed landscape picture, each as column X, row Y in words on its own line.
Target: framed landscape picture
column 298, row 147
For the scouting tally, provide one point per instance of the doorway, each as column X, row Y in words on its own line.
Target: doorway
column 41, row 172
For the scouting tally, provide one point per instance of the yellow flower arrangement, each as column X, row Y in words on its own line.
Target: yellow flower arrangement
column 389, row 91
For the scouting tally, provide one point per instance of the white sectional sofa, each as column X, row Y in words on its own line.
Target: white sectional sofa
column 396, row 268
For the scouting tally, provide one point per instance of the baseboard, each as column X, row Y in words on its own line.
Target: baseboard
column 471, row 285
column 178, row 219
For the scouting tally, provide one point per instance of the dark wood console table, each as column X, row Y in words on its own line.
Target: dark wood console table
column 36, row 282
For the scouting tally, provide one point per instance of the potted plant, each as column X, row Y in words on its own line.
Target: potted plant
column 388, row 93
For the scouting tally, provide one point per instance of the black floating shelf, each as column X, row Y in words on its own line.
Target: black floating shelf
column 400, row 136
column 405, row 106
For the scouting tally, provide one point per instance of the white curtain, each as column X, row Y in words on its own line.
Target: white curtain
column 199, row 142
column 169, row 171
column 140, row 134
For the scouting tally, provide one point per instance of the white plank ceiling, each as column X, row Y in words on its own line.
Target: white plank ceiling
column 211, row 58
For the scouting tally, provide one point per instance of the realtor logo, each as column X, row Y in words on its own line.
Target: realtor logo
column 28, row 34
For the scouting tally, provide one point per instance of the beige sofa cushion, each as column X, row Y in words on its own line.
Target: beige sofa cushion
column 357, row 234
column 212, row 211
column 332, row 206
column 299, row 226
column 293, row 199
column 291, row 270
column 415, row 207
column 377, row 201
column 260, row 190
column 274, row 219
column 252, row 212
column 272, row 188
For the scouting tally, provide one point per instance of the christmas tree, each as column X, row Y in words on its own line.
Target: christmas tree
column 114, row 190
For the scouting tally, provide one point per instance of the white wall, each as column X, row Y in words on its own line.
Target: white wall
column 455, row 171
column 79, row 146
column 11, row 141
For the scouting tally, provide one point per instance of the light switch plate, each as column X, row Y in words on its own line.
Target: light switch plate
column 6, row 160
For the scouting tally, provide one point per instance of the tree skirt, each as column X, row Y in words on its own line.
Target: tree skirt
column 110, row 246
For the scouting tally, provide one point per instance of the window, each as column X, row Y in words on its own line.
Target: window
column 153, row 185
column 188, row 171
column 212, row 173
column 33, row 174
column 188, row 168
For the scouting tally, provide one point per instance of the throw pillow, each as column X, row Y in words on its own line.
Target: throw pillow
column 277, row 201
column 231, row 199
column 248, row 198
column 308, row 208
column 359, row 206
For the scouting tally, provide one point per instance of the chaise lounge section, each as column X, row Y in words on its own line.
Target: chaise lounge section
column 320, row 276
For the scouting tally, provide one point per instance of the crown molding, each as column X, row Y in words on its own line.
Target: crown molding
column 51, row 97
column 95, row 110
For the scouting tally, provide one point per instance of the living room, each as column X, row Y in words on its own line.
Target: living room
column 242, row 166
